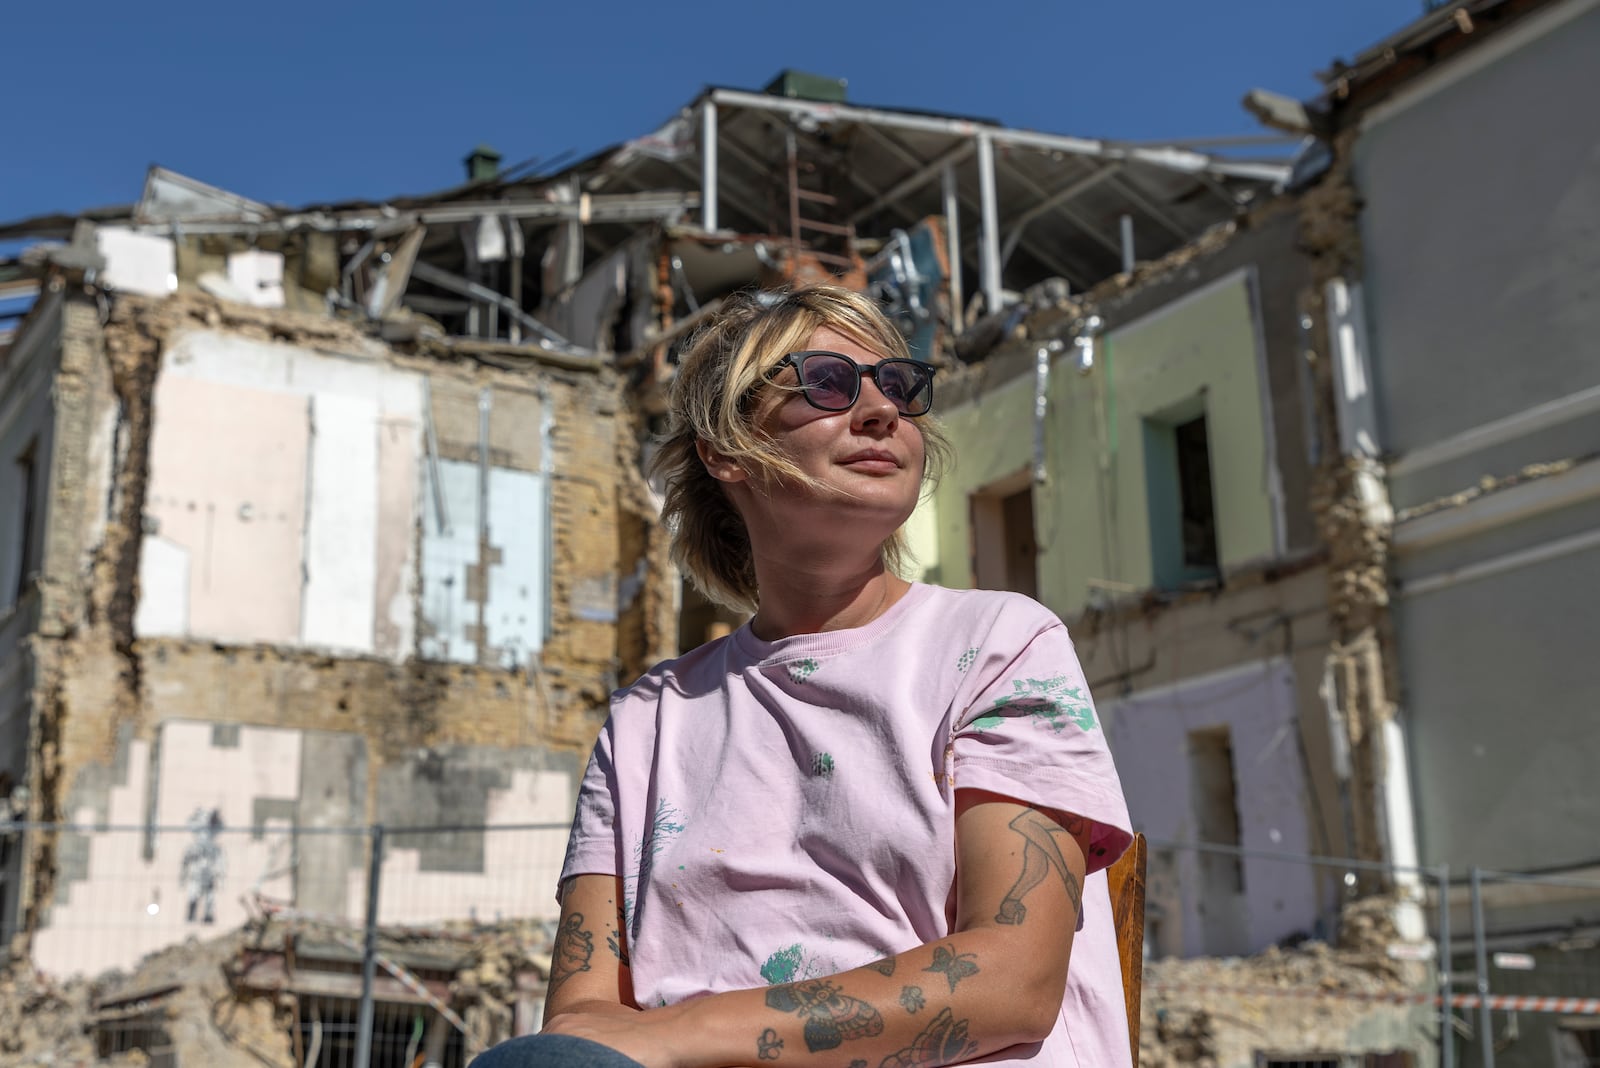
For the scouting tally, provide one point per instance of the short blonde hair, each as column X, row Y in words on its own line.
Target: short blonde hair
column 717, row 397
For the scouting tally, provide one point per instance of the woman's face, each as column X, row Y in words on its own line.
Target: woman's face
column 868, row 459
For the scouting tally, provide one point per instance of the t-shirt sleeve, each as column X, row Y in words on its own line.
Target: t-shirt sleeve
column 592, row 845
column 1030, row 732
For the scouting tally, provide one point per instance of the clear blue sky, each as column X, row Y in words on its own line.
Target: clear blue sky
column 296, row 102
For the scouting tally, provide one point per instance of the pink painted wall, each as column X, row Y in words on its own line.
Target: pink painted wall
column 228, row 486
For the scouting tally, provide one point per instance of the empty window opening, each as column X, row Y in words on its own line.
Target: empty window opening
column 1214, row 797
column 1005, row 548
column 8, row 926
column 1577, row 1041
column 143, row 1032
column 1198, row 511
column 1181, row 499
column 27, row 538
column 328, row 1034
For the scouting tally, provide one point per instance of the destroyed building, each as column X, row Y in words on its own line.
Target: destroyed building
column 1460, row 270
column 334, row 516
column 1315, row 496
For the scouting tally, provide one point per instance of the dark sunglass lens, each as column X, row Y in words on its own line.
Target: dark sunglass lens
column 906, row 384
column 829, row 381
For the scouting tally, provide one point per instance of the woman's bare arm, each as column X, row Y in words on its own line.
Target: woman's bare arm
column 589, row 962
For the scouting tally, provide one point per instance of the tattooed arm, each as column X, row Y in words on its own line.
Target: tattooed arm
column 589, row 962
column 996, row 981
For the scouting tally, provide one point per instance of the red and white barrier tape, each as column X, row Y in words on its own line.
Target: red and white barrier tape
column 1508, row 1002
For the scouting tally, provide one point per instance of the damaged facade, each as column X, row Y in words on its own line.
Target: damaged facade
column 289, row 571
column 335, row 516
column 1467, row 252
column 1315, row 495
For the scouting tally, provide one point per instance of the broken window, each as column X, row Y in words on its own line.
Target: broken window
column 27, row 536
column 1577, row 1042
column 1214, row 799
column 1219, row 892
column 8, row 925
column 1183, row 515
column 1005, row 548
column 143, row 1032
column 327, row 1034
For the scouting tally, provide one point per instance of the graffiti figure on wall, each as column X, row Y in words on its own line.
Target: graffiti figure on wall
column 204, row 865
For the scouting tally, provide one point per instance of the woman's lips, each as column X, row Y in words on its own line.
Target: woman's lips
column 873, row 460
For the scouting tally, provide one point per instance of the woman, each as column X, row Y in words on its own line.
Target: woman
column 857, row 830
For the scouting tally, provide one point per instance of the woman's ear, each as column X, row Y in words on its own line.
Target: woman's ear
column 717, row 465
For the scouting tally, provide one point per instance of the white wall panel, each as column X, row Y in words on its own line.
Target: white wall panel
column 219, row 357
column 447, row 558
column 399, row 498
column 341, row 527
column 298, row 521
column 163, row 610
column 227, row 483
column 516, row 606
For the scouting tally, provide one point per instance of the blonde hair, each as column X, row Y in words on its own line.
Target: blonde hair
column 719, row 395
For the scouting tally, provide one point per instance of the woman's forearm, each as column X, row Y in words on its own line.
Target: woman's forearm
column 972, row 993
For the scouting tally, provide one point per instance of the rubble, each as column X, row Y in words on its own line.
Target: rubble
column 1217, row 1013
column 205, row 999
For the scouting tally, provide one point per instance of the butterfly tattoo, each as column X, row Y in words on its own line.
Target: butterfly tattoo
column 830, row 1016
column 954, row 966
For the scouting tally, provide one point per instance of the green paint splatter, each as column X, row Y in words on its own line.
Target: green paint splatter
column 989, row 722
column 801, row 670
column 783, row 966
column 967, row 659
column 1051, row 702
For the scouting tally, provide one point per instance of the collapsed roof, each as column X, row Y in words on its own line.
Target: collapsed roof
column 796, row 167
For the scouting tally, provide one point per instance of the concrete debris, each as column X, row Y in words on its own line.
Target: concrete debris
column 44, row 1023
column 178, row 998
column 202, row 1000
column 1219, row 1013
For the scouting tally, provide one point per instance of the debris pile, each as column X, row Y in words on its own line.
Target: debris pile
column 1221, row 1013
column 200, row 1001
column 43, row 1023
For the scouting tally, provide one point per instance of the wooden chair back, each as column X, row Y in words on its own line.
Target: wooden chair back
column 1126, row 878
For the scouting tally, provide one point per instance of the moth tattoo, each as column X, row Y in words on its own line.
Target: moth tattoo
column 830, row 1017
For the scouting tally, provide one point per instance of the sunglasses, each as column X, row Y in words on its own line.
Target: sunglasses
column 831, row 381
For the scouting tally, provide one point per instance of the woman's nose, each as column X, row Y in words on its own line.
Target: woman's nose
column 872, row 406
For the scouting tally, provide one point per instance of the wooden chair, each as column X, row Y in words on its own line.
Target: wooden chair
column 1126, row 879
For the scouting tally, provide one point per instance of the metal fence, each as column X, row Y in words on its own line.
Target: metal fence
column 360, row 938
column 1534, row 955
column 372, row 946
column 1428, row 965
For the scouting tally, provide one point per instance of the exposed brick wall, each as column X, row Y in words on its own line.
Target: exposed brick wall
column 98, row 681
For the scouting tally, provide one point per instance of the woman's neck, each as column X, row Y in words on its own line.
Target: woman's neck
column 798, row 601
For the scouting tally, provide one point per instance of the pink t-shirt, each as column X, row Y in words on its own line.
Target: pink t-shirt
column 786, row 810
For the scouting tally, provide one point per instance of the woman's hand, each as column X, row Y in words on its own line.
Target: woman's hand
column 647, row 1037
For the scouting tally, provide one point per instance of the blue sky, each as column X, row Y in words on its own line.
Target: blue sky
column 298, row 102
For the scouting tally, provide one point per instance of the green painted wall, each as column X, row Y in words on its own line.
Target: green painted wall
column 1093, row 514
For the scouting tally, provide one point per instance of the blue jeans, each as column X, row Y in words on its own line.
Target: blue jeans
column 552, row 1051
